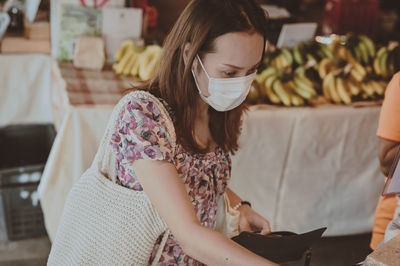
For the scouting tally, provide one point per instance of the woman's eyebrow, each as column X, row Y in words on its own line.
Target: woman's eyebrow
column 240, row 68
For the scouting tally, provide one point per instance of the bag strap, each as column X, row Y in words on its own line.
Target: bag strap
column 105, row 160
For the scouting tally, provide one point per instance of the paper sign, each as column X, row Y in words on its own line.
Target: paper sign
column 56, row 19
column 120, row 24
column 291, row 34
column 76, row 21
column 4, row 21
column 392, row 185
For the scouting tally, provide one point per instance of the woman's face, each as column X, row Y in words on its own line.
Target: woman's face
column 236, row 54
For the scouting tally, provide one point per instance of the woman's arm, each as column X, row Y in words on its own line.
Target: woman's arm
column 249, row 219
column 387, row 152
column 167, row 193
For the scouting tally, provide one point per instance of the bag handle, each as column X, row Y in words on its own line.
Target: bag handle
column 105, row 160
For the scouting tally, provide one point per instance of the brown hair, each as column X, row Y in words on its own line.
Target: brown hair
column 200, row 24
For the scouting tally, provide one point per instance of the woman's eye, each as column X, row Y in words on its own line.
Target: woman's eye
column 230, row 73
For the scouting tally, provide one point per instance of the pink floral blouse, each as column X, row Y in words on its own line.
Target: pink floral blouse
column 142, row 134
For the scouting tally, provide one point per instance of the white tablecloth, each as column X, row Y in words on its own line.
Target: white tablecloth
column 311, row 167
column 301, row 168
column 27, row 83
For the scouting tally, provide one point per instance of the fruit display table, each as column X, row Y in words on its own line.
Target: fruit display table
column 302, row 168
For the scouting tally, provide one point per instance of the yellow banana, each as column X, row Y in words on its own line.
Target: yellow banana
column 123, row 49
column 124, row 61
column 136, row 67
column 358, row 72
column 273, row 98
column 342, row 91
column 305, row 84
column 326, row 83
column 260, row 78
column 368, row 89
column 269, row 81
column 304, row 94
column 128, row 68
column 295, row 99
column 331, row 86
column 324, row 67
column 148, row 61
column 281, row 92
column 353, row 88
column 377, row 87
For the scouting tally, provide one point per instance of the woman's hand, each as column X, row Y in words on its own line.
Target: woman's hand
column 250, row 220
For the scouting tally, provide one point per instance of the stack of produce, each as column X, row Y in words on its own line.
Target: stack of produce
column 346, row 70
column 137, row 60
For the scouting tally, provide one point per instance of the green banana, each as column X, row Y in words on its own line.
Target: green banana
column 304, row 84
column 288, row 55
column 364, row 52
column 324, row 48
column 369, row 44
column 297, row 54
column 383, row 64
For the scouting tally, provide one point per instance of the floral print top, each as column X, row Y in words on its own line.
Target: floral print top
column 142, row 134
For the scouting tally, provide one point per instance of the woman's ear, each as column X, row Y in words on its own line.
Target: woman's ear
column 186, row 50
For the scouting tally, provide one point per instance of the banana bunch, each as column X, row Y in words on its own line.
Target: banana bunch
column 339, row 89
column 387, row 61
column 278, row 58
column 277, row 87
column 311, row 53
column 344, row 62
column 136, row 60
column 361, row 47
column 372, row 89
column 303, row 85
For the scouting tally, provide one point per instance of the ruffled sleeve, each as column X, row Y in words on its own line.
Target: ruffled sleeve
column 141, row 133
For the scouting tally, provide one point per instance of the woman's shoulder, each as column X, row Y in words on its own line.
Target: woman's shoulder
column 143, row 108
column 145, row 102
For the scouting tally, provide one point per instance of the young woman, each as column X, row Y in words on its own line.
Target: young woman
column 209, row 62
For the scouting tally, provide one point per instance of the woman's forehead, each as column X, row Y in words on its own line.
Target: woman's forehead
column 239, row 48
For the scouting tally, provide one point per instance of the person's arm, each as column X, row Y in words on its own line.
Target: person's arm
column 387, row 152
column 249, row 219
column 161, row 182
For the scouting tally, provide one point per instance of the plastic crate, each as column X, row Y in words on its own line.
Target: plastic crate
column 23, row 154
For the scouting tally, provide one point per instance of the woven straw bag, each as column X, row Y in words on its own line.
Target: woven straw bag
column 104, row 223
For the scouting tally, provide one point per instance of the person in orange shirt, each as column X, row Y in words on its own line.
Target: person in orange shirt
column 389, row 143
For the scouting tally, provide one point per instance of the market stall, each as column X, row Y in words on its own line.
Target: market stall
column 284, row 153
column 308, row 152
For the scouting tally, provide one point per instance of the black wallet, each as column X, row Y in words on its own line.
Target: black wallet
column 279, row 247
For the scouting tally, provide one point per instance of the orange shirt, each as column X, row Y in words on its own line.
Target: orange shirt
column 389, row 129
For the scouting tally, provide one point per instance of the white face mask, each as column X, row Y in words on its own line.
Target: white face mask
column 225, row 93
